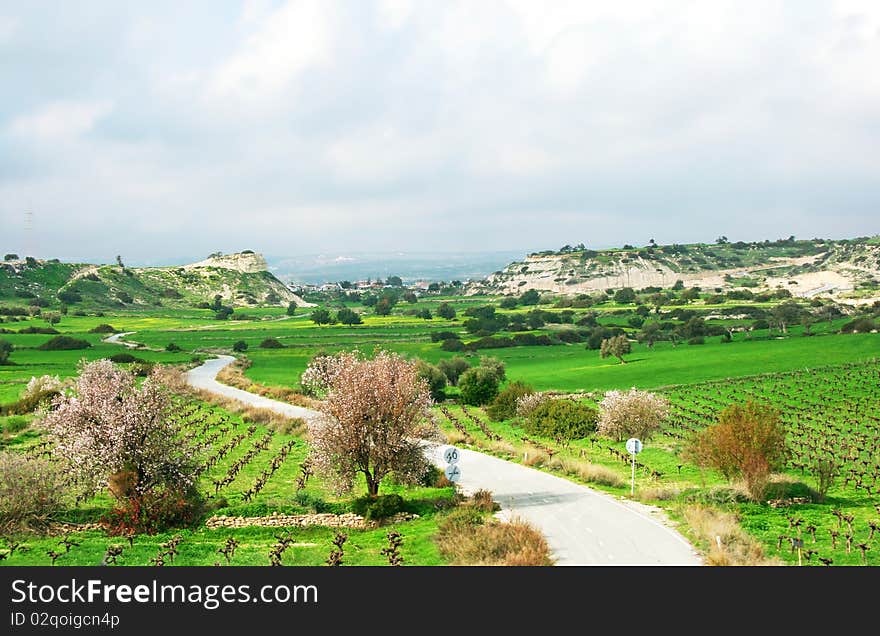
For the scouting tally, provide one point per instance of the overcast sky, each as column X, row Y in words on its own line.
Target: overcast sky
column 173, row 129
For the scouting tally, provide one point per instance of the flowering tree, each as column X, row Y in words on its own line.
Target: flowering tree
column 374, row 411
column 528, row 403
column 319, row 374
column 633, row 413
column 112, row 432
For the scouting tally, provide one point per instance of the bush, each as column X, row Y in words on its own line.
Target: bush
column 453, row 367
column 51, row 331
column 124, row 358
column 437, row 336
column 562, row 420
column 15, row 424
column 748, row 441
column 696, row 340
column 241, row 346
column 859, row 325
column 103, row 328
column 31, row 492
column 478, row 385
column 69, row 297
column 482, row 500
column 504, row 405
column 452, row 345
column 465, row 538
column 154, row 511
column 271, row 343
column 380, row 507
column 435, row 378
column 64, row 343
column 631, row 413
column 6, row 349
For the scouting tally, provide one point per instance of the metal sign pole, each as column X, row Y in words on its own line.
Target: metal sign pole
column 632, row 481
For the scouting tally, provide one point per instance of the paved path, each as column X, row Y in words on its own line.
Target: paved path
column 582, row 526
column 203, row 377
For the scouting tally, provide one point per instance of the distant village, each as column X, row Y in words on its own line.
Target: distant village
column 392, row 282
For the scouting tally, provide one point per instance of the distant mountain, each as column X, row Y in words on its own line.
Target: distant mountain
column 322, row 268
column 847, row 269
column 240, row 279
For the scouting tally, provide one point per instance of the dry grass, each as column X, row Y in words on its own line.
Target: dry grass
column 587, row 471
column 233, row 375
column 727, row 542
column 502, row 448
column 482, row 500
column 658, row 493
column 456, row 437
column 465, row 538
column 534, row 457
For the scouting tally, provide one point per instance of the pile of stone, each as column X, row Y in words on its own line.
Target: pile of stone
column 346, row 520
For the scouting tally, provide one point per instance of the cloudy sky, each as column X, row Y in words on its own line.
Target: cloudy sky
column 173, row 129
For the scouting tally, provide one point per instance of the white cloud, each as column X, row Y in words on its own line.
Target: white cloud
column 8, row 27
column 393, row 14
column 281, row 45
column 60, row 120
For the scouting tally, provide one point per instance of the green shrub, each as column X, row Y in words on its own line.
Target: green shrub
column 42, row 330
column 64, row 343
column 103, row 328
column 124, row 358
column 271, row 343
column 172, row 348
column 562, row 420
column 15, row 424
column 239, row 346
column 478, row 385
column 379, row 507
column 452, row 344
column 503, row 407
column 311, row 502
column 435, row 378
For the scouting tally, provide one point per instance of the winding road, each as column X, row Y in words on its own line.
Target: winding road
column 582, row 526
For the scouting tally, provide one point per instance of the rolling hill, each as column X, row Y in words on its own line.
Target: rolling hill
column 241, row 280
column 848, row 270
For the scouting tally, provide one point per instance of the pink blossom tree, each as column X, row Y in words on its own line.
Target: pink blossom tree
column 633, row 413
column 110, row 431
column 373, row 414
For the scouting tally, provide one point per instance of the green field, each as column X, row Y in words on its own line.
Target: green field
column 816, row 379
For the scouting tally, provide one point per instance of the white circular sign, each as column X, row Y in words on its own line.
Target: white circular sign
column 453, row 473
column 450, row 455
column 634, row 446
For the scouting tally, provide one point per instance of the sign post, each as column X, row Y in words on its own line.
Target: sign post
column 451, row 456
column 634, row 446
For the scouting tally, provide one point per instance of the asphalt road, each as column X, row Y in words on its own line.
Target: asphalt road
column 582, row 526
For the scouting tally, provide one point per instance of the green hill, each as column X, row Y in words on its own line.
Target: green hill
column 240, row 279
column 841, row 268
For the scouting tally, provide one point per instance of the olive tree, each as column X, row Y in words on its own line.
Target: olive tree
column 616, row 346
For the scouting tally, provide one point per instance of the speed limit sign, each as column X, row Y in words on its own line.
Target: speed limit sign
column 450, row 455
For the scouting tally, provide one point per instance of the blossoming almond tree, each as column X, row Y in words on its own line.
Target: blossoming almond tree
column 372, row 416
column 633, row 413
column 110, row 431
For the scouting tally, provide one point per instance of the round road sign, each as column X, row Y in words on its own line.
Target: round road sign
column 450, row 455
column 634, row 446
column 453, row 473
